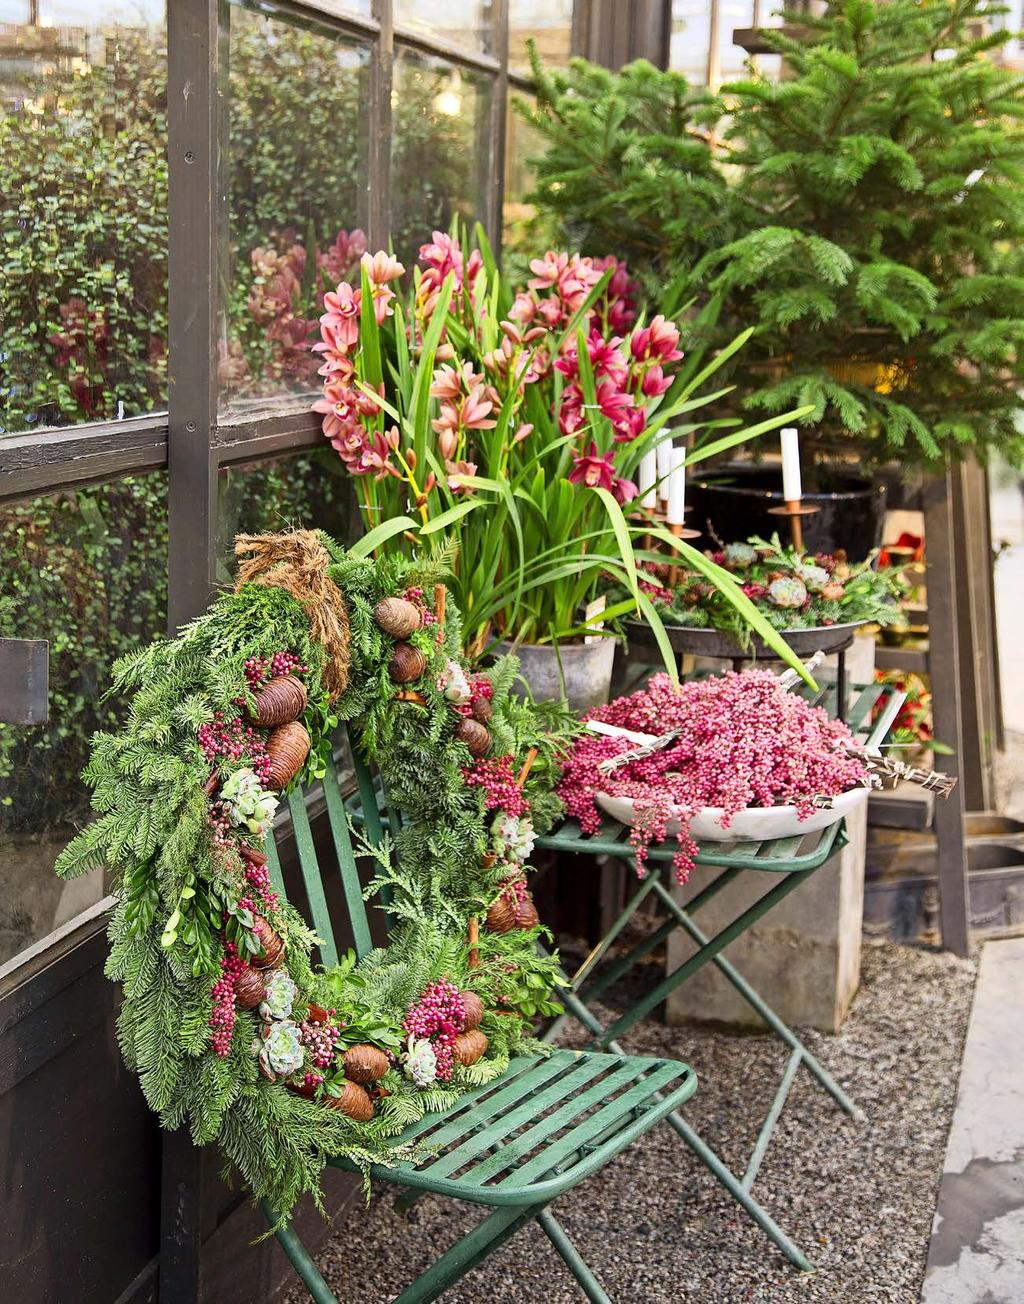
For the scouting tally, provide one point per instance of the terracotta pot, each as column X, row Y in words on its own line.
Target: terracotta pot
column 279, row 700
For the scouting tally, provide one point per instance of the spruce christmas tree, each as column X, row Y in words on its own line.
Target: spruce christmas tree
column 873, row 216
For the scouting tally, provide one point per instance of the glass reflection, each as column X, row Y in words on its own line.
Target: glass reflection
column 87, row 570
column 83, row 294
column 295, row 166
column 439, row 149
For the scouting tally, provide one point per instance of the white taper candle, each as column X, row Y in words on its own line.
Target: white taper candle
column 675, row 512
column 664, row 459
column 647, row 476
column 791, row 487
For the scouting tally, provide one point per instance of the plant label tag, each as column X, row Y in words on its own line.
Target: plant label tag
column 591, row 610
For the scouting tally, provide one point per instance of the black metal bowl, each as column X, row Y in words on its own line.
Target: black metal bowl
column 715, row 643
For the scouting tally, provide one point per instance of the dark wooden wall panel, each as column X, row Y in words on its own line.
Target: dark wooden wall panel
column 78, row 1147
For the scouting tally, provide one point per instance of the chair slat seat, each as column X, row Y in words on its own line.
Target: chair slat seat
column 547, row 1123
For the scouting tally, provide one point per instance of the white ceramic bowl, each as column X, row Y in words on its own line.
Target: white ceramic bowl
column 755, row 824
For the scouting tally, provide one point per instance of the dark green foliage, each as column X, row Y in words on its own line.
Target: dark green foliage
column 869, row 218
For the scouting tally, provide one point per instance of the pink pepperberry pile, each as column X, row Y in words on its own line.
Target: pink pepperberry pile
column 222, row 1018
column 743, row 741
column 233, row 740
column 498, row 782
column 439, row 1015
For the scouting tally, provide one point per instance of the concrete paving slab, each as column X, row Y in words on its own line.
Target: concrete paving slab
column 976, row 1254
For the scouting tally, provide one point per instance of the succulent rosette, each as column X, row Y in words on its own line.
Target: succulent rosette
column 280, row 997
column 282, row 1051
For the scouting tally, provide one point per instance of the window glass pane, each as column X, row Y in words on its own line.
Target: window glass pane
column 86, row 570
column 523, row 230
column 83, row 211
column 549, row 22
column 309, row 490
column 295, row 169
column 465, row 23
column 690, row 39
column 439, row 148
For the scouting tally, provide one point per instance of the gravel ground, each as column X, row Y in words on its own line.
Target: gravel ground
column 655, row 1226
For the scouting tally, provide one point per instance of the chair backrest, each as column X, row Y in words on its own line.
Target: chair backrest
column 312, row 874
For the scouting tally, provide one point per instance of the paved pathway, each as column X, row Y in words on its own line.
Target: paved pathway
column 977, row 1248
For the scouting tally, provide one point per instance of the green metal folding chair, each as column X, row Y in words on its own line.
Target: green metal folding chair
column 789, row 862
column 514, row 1145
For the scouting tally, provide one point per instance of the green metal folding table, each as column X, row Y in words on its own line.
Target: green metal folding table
column 789, row 862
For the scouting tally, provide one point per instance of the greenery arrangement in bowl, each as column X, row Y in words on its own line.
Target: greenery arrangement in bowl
column 791, row 590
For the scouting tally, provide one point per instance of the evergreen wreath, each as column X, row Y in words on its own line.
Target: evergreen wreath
column 225, row 1020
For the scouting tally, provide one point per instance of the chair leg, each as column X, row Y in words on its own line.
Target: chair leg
column 588, row 1283
column 495, row 1229
column 743, row 1197
column 753, row 999
column 301, row 1259
column 464, row 1255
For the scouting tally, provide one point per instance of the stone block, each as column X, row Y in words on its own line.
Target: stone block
column 803, row 957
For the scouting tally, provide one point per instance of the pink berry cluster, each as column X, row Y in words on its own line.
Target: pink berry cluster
column 222, row 1018
column 743, row 741
column 258, row 669
column 415, row 596
column 258, row 878
column 439, row 1015
column 501, row 792
column 319, row 1039
column 514, row 891
column 233, row 740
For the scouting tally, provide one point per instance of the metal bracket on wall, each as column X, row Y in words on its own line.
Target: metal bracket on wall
column 24, row 680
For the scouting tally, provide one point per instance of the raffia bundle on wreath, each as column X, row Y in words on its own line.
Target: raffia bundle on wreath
column 227, row 1023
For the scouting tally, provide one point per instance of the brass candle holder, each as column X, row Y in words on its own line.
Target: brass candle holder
column 795, row 508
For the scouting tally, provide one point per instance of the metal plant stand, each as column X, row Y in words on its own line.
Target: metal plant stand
column 789, row 862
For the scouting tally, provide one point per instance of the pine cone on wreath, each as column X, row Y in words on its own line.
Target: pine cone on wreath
column 397, row 617
column 407, row 664
column 468, row 1047
column 280, row 700
column 474, row 1010
column 353, row 1101
column 250, row 988
column 288, row 746
column 365, row 1064
column 474, row 736
column 272, row 944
